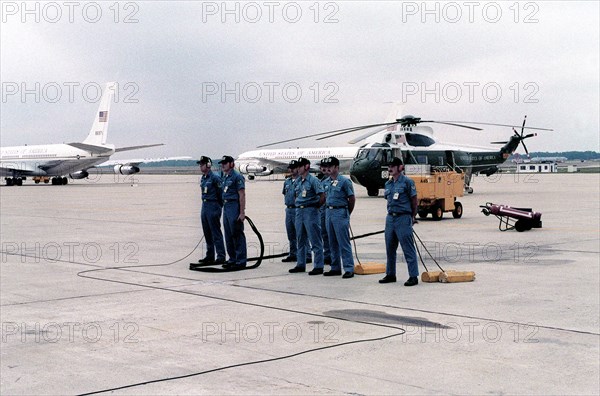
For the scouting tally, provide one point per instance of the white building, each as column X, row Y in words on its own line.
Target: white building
column 537, row 168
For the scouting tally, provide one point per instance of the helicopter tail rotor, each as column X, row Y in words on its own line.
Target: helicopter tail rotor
column 522, row 137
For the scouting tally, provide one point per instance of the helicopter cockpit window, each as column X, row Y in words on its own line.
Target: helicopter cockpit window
column 380, row 153
column 417, row 140
column 362, row 154
column 386, row 156
column 365, row 154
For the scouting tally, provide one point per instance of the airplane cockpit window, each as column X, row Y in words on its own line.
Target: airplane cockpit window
column 417, row 140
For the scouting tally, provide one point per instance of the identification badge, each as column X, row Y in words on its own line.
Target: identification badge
column 335, row 183
column 205, row 190
column 225, row 189
column 396, row 195
column 303, row 193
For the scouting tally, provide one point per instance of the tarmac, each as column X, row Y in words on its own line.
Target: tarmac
column 96, row 297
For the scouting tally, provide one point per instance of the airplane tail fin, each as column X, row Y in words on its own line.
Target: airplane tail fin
column 99, row 131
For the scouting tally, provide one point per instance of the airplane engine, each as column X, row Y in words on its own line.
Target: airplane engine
column 255, row 169
column 126, row 169
column 79, row 175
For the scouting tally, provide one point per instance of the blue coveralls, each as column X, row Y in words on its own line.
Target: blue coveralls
column 338, row 223
column 234, row 229
column 398, row 224
column 308, row 226
column 289, row 194
column 324, row 230
column 212, row 206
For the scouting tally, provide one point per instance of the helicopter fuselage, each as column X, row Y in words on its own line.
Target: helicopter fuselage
column 370, row 168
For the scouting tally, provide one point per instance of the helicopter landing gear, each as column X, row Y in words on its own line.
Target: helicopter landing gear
column 468, row 177
column 373, row 192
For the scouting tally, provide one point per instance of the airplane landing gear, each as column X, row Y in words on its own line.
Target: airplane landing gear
column 13, row 181
column 58, row 181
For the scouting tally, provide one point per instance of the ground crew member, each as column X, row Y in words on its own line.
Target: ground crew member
column 325, row 184
column 289, row 193
column 309, row 197
column 234, row 213
column 339, row 206
column 401, row 195
column 210, row 216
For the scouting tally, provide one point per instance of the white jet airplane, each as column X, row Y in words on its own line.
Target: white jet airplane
column 268, row 162
column 73, row 159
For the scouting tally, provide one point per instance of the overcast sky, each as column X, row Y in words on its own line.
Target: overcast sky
column 221, row 78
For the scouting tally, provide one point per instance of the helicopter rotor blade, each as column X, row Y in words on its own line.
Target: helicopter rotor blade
column 333, row 133
column 504, row 125
column 366, row 135
column 525, row 147
column 405, row 121
column 498, row 142
column 360, row 128
column 523, row 126
column 385, row 125
column 455, row 124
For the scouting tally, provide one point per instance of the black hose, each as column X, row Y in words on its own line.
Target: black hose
column 430, row 255
column 231, row 268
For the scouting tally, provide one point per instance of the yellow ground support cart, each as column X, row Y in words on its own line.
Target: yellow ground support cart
column 41, row 179
column 437, row 190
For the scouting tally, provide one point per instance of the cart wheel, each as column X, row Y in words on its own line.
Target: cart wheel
column 521, row 225
column 422, row 213
column 437, row 212
column 458, row 210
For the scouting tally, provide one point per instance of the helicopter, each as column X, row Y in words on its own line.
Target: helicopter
column 408, row 139
column 415, row 144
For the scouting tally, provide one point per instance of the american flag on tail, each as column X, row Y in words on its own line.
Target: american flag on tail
column 103, row 116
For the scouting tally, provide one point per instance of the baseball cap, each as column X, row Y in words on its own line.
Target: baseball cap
column 395, row 162
column 331, row 161
column 293, row 164
column 303, row 161
column 226, row 159
column 204, row 160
